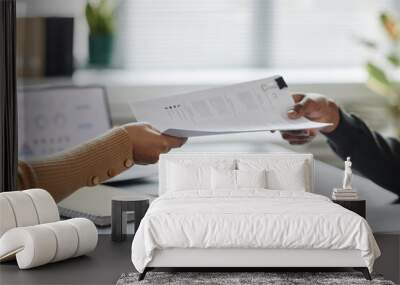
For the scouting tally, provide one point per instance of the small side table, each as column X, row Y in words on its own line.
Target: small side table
column 357, row 206
column 121, row 205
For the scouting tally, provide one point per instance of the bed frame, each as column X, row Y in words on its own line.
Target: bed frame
column 260, row 259
column 245, row 259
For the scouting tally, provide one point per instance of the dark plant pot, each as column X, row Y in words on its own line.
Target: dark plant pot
column 100, row 49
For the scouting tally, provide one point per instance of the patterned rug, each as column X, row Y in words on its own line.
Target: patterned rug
column 243, row 278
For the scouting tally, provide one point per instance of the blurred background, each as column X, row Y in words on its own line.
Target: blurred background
column 136, row 49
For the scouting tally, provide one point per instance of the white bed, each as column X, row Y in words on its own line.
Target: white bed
column 200, row 220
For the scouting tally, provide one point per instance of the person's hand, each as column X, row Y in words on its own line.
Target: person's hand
column 314, row 107
column 148, row 143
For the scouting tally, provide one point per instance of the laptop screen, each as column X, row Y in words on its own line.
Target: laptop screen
column 53, row 119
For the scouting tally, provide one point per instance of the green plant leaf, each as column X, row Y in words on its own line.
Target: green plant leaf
column 393, row 59
column 367, row 43
column 377, row 74
column 100, row 18
column 90, row 16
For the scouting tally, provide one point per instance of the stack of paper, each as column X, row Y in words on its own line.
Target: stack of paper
column 344, row 194
column 259, row 105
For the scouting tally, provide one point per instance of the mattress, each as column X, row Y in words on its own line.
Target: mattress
column 251, row 219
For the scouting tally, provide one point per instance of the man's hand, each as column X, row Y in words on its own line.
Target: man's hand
column 314, row 107
column 148, row 143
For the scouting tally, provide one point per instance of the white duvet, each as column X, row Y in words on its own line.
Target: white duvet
column 250, row 219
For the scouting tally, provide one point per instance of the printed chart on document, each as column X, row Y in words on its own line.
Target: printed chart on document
column 246, row 107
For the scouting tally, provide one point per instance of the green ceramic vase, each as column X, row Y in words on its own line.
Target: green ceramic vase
column 100, row 49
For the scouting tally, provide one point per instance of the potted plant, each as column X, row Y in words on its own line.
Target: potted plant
column 100, row 18
column 382, row 71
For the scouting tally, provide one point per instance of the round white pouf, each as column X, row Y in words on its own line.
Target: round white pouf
column 37, row 245
column 33, row 246
column 45, row 205
column 23, row 208
column 7, row 218
column 67, row 240
column 87, row 235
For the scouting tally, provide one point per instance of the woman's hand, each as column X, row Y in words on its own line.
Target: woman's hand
column 148, row 143
column 314, row 107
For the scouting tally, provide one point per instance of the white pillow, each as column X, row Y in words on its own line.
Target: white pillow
column 251, row 178
column 187, row 177
column 284, row 174
column 226, row 179
column 223, row 179
column 193, row 174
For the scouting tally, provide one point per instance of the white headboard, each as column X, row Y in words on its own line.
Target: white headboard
column 271, row 158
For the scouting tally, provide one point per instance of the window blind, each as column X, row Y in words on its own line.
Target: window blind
column 311, row 33
column 185, row 33
column 244, row 33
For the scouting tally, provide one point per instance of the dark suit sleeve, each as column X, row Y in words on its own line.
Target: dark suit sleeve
column 374, row 156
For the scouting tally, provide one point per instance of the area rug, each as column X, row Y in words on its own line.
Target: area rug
column 243, row 278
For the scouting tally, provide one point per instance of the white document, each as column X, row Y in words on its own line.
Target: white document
column 259, row 105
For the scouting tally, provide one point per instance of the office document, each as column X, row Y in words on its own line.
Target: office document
column 259, row 105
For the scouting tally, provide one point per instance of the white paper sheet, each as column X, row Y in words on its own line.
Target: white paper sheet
column 259, row 105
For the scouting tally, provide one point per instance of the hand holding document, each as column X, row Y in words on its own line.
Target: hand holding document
column 254, row 106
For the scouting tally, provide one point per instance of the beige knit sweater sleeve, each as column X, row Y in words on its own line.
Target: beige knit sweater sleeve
column 85, row 165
